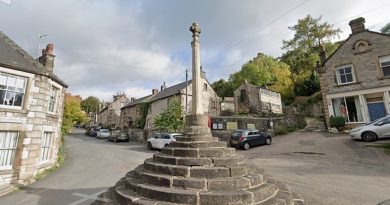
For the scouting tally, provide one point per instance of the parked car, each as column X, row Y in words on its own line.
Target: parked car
column 160, row 140
column 372, row 131
column 246, row 139
column 119, row 136
column 103, row 134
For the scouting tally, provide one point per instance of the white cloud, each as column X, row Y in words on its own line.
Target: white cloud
column 103, row 47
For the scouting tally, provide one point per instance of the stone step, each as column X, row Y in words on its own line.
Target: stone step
column 225, row 197
column 174, row 170
column 263, row 192
column 195, row 138
column 199, row 152
column 174, row 195
column 195, row 161
column 200, row 144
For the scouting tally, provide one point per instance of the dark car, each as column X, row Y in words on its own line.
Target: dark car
column 119, row 136
column 246, row 139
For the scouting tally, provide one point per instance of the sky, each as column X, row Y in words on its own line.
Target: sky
column 131, row 46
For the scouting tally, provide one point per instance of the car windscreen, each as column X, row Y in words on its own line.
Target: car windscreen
column 105, row 131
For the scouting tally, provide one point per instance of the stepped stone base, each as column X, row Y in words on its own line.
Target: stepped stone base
column 199, row 170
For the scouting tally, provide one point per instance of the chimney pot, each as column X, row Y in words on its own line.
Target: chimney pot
column 49, row 49
column 357, row 25
column 154, row 91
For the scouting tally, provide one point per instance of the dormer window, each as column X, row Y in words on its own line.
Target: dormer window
column 345, row 75
column 385, row 65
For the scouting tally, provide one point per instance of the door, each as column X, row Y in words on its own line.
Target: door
column 376, row 110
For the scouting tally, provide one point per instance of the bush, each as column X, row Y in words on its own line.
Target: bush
column 336, row 122
column 281, row 130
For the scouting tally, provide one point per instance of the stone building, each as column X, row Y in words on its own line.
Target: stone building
column 132, row 112
column 160, row 101
column 227, row 106
column 31, row 109
column 355, row 79
column 253, row 99
column 109, row 116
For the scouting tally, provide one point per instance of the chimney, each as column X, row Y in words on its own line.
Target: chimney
column 154, row 91
column 323, row 54
column 357, row 25
column 202, row 73
column 163, row 86
column 132, row 99
column 47, row 58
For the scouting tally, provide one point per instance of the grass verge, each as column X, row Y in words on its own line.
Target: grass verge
column 385, row 146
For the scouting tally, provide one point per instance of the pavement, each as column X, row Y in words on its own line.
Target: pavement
column 92, row 165
column 323, row 168
column 326, row 169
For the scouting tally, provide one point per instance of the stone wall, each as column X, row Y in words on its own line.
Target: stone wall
column 289, row 120
column 31, row 121
column 368, row 73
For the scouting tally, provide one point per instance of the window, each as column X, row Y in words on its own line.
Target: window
column 12, row 90
column 348, row 107
column 205, row 86
column 385, row 65
column 242, row 95
column 8, row 144
column 53, row 99
column 45, row 146
column 345, row 75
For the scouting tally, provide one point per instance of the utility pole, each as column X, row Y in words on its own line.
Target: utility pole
column 39, row 43
column 186, row 91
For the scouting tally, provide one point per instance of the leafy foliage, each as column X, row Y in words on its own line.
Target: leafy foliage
column 90, row 104
column 386, row 29
column 223, row 88
column 171, row 120
column 336, row 122
column 140, row 122
column 302, row 52
column 72, row 114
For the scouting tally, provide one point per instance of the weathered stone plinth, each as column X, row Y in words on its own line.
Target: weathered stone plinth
column 198, row 169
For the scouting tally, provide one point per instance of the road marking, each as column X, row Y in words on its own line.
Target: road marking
column 86, row 197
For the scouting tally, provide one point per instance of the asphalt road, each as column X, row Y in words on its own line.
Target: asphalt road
column 91, row 167
column 327, row 169
column 324, row 169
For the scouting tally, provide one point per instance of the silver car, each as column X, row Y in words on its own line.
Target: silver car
column 370, row 132
column 103, row 134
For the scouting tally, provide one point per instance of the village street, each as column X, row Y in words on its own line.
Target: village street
column 324, row 169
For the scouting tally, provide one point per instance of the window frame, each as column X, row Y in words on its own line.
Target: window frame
column 14, row 91
column 46, row 147
column 384, row 61
column 55, row 101
column 12, row 149
column 338, row 75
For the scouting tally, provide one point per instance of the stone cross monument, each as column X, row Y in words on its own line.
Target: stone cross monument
column 197, row 108
column 198, row 169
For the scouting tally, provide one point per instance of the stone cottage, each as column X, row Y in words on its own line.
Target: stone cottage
column 160, row 101
column 109, row 116
column 131, row 112
column 355, row 79
column 31, row 108
column 256, row 100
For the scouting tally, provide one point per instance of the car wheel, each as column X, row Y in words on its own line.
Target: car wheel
column 150, row 147
column 166, row 145
column 268, row 141
column 246, row 146
column 369, row 136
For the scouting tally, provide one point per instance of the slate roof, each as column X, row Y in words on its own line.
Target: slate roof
column 137, row 101
column 14, row 57
column 170, row 91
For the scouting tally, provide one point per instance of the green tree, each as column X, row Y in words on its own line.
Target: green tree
column 72, row 114
column 144, row 109
column 223, row 88
column 386, row 29
column 90, row 104
column 265, row 70
column 171, row 120
column 302, row 52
